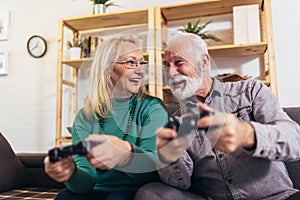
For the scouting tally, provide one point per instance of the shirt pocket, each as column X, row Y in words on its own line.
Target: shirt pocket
column 243, row 113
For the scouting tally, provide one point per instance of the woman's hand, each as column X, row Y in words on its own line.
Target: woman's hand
column 111, row 152
column 60, row 171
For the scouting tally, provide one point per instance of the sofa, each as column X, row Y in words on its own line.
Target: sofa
column 23, row 177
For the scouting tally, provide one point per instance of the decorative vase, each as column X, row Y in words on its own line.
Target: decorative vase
column 99, row 9
column 75, row 53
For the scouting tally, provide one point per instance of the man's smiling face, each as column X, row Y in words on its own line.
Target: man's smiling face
column 183, row 73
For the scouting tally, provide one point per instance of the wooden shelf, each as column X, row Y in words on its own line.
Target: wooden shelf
column 238, row 50
column 65, row 139
column 78, row 63
column 107, row 20
column 204, row 8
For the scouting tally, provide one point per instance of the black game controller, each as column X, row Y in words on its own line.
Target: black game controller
column 186, row 123
column 81, row 148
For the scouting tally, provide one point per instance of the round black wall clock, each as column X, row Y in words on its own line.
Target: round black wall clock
column 36, row 46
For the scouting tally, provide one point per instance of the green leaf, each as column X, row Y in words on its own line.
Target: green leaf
column 198, row 29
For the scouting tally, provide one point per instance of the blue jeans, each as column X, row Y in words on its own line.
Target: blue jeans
column 66, row 194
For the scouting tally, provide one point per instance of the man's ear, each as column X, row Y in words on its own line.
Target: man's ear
column 204, row 61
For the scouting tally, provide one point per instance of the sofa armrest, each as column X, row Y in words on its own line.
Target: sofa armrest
column 34, row 162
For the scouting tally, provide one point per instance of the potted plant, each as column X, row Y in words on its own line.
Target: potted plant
column 74, row 47
column 99, row 6
column 198, row 29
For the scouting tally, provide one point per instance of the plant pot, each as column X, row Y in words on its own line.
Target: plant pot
column 75, row 53
column 99, row 9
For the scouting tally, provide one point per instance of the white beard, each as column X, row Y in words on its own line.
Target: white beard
column 191, row 85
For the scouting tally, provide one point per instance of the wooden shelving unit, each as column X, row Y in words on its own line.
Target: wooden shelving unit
column 156, row 19
column 89, row 24
column 209, row 8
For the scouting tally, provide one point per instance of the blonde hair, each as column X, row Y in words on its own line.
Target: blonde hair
column 98, row 100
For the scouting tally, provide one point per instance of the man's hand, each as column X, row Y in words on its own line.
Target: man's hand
column 61, row 170
column 226, row 132
column 111, row 152
column 169, row 146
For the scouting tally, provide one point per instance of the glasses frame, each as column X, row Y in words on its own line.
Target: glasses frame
column 135, row 63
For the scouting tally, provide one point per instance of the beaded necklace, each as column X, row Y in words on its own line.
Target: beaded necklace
column 129, row 123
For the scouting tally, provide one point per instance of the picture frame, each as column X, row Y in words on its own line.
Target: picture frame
column 4, row 24
column 3, row 63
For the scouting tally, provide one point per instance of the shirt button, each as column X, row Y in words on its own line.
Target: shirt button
column 262, row 152
column 221, row 155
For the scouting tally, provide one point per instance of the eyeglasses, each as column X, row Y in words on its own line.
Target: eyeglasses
column 132, row 64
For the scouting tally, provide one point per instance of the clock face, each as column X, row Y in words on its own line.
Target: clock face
column 36, row 46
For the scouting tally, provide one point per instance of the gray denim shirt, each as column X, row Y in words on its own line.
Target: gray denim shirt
column 244, row 174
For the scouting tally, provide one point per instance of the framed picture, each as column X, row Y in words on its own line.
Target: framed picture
column 4, row 25
column 3, row 63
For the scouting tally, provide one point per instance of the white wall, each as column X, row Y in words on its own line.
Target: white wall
column 286, row 28
column 28, row 92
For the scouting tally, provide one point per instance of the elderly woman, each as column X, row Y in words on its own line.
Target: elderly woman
column 120, row 116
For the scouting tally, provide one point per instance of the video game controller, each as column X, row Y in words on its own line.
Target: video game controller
column 185, row 124
column 81, row 148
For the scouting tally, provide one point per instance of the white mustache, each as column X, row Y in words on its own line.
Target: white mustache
column 177, row 79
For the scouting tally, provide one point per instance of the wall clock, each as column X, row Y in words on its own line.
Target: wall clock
column 36, row 46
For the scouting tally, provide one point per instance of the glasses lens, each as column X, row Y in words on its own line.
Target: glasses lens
column 132, row 64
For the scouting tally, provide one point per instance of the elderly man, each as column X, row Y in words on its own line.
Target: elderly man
column 237, row 151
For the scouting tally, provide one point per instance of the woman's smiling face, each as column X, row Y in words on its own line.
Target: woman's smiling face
column 127, row 81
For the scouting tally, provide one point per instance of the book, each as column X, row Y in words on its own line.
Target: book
column 246, row 24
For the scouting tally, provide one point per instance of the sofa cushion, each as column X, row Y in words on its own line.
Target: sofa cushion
column 13, row 174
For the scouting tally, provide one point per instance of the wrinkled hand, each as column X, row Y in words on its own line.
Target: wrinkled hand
column 111, row 152
column 226, row 132
column 169, row 146
column 61, row 170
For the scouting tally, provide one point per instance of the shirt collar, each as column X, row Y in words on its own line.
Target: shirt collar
column 216, row 91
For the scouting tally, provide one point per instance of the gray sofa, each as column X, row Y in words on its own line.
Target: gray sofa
column 22, row 175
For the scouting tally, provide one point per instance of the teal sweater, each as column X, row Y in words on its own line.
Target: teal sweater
column 150, row 113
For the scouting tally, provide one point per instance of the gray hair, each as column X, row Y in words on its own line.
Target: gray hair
column 197, row 43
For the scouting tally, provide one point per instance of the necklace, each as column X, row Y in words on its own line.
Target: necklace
column 129, row 123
